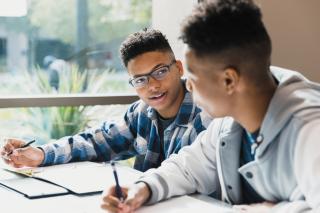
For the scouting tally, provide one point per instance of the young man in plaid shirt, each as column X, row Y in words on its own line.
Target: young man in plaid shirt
column 159, row 124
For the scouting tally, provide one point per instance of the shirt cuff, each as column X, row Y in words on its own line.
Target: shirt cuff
column 49, row 155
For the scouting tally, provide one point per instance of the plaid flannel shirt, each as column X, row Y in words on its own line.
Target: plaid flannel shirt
column 136, row 136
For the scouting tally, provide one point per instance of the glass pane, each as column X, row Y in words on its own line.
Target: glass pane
column 50, row 123
column 65, row 46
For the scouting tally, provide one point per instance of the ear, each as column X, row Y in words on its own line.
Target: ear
column 231, row 79
column 180, row 67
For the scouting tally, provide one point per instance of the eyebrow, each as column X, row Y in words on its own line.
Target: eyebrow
column 153, row 69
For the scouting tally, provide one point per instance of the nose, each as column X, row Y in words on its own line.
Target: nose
column 153, row 83
column 188, row 85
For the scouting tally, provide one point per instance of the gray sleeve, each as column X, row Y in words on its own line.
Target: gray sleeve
column 193, row 169
column 307, row 171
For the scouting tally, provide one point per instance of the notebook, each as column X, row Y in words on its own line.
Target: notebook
column 30, row 187
column 79, row 178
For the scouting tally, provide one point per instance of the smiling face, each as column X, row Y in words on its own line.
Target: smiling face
column 211, row 85
column 164, row 95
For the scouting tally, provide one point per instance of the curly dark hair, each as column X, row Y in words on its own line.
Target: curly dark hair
column 218, row 26
column 143, row 41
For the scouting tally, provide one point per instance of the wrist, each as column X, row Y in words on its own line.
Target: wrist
column 146, row 191
column 41, row 156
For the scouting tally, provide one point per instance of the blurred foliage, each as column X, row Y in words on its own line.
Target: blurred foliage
column 56, row 122
column 108, row 19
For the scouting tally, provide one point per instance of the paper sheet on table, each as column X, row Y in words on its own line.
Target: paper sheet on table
column 185, row 204
column 82, row 177
column 27, row 171
column 29, row 187
column 87, row 177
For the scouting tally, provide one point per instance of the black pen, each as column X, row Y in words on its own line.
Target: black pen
column 23, row 146
column 118, row 188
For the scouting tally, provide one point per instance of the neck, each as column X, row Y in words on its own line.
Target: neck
column 254, row 107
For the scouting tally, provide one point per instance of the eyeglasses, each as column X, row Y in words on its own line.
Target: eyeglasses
column 158, row 74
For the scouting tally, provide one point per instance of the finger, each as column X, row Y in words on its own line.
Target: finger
column 13, row 163
column 6, row 159
column 2, row 150
column 19, row 158
column 121, row 208
column 126, row 209
column 8, row 147
column 111, row 200
column 3, row 154
column 110, row 208
column 112, row 192
column 15, row 142
column 134, row 204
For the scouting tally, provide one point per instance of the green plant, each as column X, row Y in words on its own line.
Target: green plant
column 56, row 122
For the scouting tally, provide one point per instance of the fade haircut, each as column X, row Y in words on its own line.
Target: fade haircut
column 146, row 40
column 231, row 30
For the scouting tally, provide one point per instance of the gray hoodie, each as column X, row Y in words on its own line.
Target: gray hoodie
column 286, row 169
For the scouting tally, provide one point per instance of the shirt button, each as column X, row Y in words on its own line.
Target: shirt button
column 259, row 138
column 249, row 175
column 229, row 187
column 223, row 143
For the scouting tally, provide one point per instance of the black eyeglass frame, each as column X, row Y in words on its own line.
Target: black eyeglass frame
column 150, row 74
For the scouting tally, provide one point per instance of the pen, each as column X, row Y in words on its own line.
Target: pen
column 118, row 188
column 23, row 146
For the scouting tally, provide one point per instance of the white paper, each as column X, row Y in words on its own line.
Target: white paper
column 185, row 204
column 87, row 177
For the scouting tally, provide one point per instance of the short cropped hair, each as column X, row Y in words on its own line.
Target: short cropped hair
column 146, row 40
column 233, row 28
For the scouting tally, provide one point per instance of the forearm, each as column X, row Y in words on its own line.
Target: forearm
column 183, row 174
column 67, row 149
column 101, row 144
column 300, row 206
column 165, row 186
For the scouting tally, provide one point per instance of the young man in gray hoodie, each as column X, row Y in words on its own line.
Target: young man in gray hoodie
column 262, row 153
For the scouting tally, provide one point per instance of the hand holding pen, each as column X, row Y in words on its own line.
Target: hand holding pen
column 124, row 199
column 18, row 153
column 23, row 146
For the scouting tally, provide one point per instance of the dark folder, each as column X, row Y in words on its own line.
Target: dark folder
column 79, row 178
column 30, row 187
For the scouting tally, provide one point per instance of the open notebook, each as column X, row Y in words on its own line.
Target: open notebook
column 78, row 178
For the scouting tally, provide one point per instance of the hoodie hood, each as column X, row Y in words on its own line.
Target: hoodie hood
column 295, row 93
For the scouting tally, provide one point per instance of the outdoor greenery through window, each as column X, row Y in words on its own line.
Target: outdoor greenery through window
column 64, row 47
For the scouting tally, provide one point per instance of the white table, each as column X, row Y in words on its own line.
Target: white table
column 13, row 202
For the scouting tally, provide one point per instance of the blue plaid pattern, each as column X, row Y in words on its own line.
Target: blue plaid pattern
column 136, row 136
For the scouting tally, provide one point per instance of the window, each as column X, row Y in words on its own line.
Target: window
column 64, row 47
column 3, row 54
column 63, row 35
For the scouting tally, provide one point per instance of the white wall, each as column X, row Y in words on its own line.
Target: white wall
column 295, row 32
column 17, row 46
column 167, row 16
column 292, row 24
